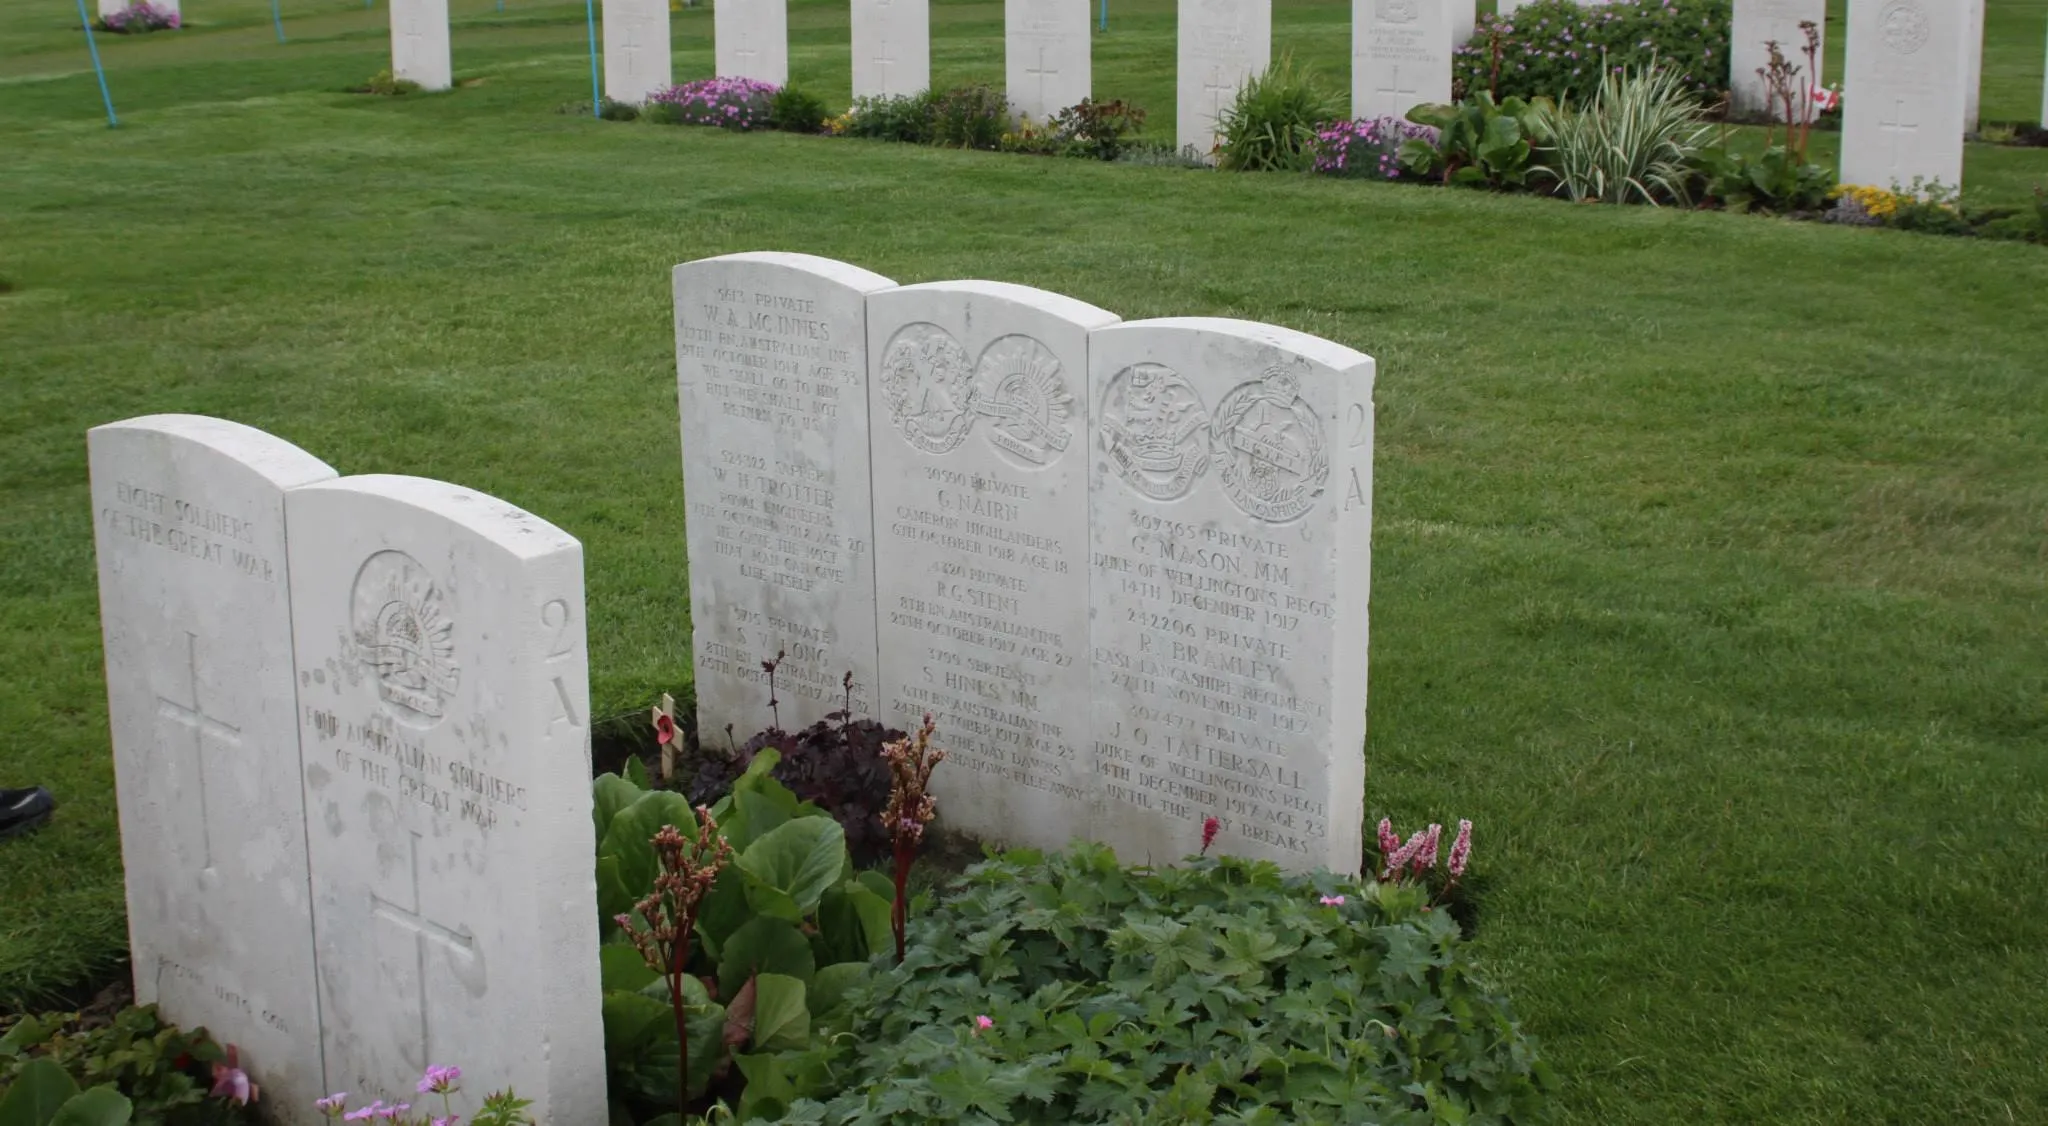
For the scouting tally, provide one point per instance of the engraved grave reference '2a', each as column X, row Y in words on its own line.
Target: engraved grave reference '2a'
column 980, row 553
column 443, row 686
column 195, row 609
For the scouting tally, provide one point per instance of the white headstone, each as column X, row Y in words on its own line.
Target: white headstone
column 752, row 39
column 771, row 370
column 979, row 400
column 1973, row 53
column 189, row 515
column 892, row 48
column 1758, row 22
column 1231, row 522
column 1222, row 45
column 444, row 716
column 637, row 61
column 1400, row 56
column 419, row 43
column 1464, row 17
column 1046, row 52
column 1902, row 105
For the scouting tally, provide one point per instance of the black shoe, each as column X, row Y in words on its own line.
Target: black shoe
column 22, row 811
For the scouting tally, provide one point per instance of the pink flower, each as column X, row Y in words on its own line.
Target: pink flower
column 1390, row 842
column 332, row 1105
column 1461, row 850
column 1209, row 827
column 365, row 1113
column 451, row 1120
column 1406, row 853
column 983, row 1024
column 1332, row 901
column 231, row 1082
column 391, row 1113
column 1425, row 857
column 439, row 1080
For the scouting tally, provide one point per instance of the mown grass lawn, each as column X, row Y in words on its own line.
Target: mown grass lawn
column 1709, row 550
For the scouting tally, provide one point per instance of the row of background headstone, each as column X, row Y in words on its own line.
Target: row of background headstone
column 350, row 730
column 1124, row 566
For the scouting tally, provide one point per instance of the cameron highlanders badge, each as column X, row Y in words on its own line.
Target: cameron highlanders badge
column 1270, row 442
column 1152, row 424
column 929, row 384
column 1022, row 395
column 401, row 637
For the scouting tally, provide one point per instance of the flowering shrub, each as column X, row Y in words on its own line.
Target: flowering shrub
column 1366, row 147
column 729, row 103
column 1089, row 129
column 1554, row 47
column 165, row 1075
column 1068, row 989
column 139, row 17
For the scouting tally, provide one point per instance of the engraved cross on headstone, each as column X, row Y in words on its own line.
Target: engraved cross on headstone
column 424, row 930
column 1041, row 72
column 414, row 56
column 629, row 44
column 746, row 53
column 193, row 717
column 1219, row 88
column 1393, row 87
column 883, row 56
column 1897, row 126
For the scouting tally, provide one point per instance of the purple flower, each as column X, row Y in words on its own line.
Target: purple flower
column 365, row 1113
column 391, row 1113
column 1332, row 901
column 332, row 1105
column 439, row 1080
column 1461, row 850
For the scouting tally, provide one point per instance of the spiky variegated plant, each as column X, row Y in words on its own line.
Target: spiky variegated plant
column 1632, row 142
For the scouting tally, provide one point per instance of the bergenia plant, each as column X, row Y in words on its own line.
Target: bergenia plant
column 661, row 925
column 910, row 809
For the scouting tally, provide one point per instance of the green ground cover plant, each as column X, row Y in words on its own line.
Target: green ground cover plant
column 1557, row 48
column 1706, row 554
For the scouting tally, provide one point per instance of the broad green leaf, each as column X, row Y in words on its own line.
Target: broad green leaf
column 632, row 1021
column 608, row 795
column 767, row 1079
column 39, row 1090
column 853, row 924
column 760, row 813
column 636, row 772
column 26, row 1033
column 100, row 1106
column 830, row 983
column 620, row 966
column 613, row 899
column 631, row 837
column 764, row 945
column 799, row 861
column 723, row 911
column 782, row 1022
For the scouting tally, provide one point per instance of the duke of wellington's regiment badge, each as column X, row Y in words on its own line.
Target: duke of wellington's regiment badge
column 1024, row 398
column 1270, row 442
column 1398, row 11
column 1152, row 430
column 928, row 382
column 401, row 637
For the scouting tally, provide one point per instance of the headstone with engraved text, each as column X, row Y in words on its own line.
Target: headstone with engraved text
column 637, row 57
column 1903, row 104
column 980, row 424
column 752, row 40
column 189, row 514
column 771, row 370
column 1222, row 45
column 892, row 48
column 1400, row 56
column 444, row 718
column 1231, row 527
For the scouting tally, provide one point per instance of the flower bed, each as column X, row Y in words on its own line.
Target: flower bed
column 141, row 17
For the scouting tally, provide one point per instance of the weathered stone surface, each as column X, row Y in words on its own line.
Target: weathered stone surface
column 979, row 403
column 1046, row 55
column 637, row 58
column 1902, row 113
column 771, row 370
column 1222, row 45
column 1231, row 524
column 444, row 719
column 189, row 515
column 752, row 39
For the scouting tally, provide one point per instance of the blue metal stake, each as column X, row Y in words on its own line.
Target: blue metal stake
column 590, row 16
column 85, row 21
column 277, row 20
column 1105, row 15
